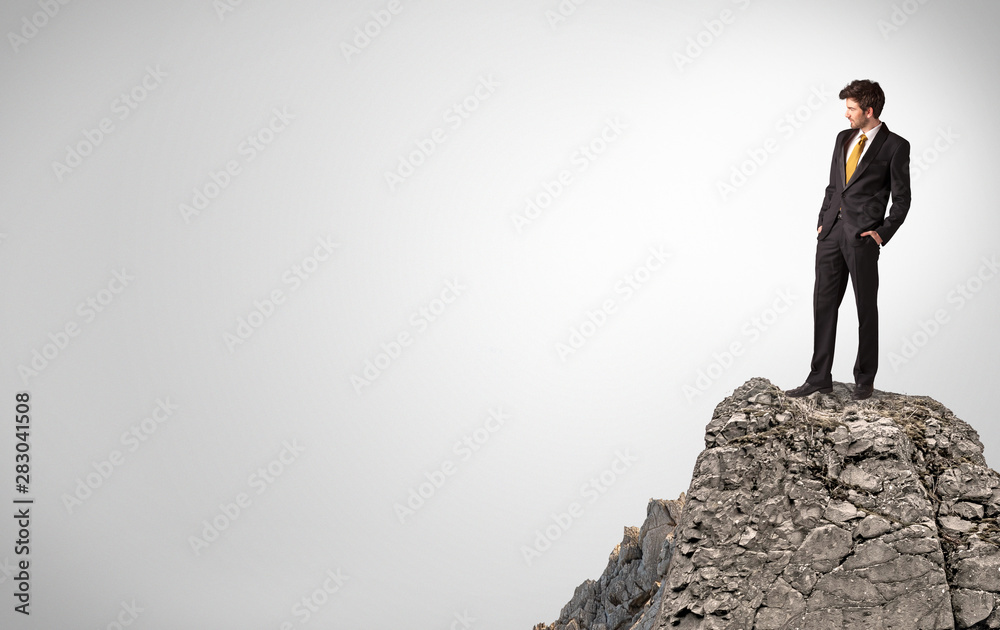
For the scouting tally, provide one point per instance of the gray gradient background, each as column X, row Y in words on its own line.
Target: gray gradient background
column 495, row 346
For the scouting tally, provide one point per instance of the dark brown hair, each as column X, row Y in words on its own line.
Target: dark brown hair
column 866, row 93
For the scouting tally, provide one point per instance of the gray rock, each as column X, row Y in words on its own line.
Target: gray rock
column 813, row 513
column 841, row 511
column 631, row 583
column 968, row 511
column 970, row 607
column 872, row 526
column 956, row 524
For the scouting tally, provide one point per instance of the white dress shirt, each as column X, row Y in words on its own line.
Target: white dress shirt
column 870, row 134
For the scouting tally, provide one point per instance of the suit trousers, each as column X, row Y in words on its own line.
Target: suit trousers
column 841, row 254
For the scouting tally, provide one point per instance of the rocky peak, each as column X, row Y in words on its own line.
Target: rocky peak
column 813, row 513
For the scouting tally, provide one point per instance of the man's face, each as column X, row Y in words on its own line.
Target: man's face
column 856, row 115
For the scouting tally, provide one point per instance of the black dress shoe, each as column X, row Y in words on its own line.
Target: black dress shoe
column 807, row 388
column 862, row 391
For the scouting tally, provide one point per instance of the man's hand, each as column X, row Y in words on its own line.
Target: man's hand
column 819, row 229
column 874, row 235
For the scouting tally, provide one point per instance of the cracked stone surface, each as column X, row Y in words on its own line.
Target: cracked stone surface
column 811, row 514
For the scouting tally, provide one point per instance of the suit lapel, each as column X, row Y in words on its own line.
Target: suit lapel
column 869, row 156
column 841, row 156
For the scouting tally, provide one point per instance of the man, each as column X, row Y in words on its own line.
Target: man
column 870, row 163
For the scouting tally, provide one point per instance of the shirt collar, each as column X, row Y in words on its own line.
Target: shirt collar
column 870, row 134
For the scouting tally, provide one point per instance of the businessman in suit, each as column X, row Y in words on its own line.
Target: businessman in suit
column 870, row 165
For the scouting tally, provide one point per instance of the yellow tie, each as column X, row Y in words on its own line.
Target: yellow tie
column 852, row 162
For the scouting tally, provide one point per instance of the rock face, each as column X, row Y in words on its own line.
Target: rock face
column 630, row 585
column 813, row 514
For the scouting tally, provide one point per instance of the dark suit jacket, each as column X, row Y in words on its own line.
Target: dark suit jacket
column 884, row 169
